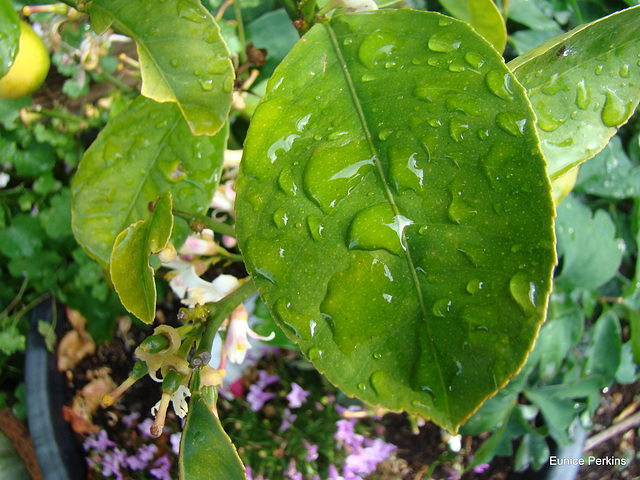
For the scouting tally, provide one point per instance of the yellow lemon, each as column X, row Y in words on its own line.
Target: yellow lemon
column 30, row 67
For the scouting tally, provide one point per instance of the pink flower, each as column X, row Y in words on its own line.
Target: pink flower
column 236, row 342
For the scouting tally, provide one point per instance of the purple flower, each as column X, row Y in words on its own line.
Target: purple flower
column 140, row 460
column 483, row 467
column 345, row 433
column 297, row 396
column 312, row 451
column 175, row 442
column 144, row 427
column 100, row 442
column 292, row 472
column 112, row 461
column 247, row 470
column 129, row 419
column 162, row 468
column 287, row 420
column 365, row 461
column 264, row 379
column 333, row 473
column 257, row 398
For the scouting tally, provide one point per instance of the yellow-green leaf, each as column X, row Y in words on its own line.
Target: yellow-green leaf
column 131, row 274
column 484, row 17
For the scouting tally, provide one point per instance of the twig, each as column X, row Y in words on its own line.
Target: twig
column 612, row 431
column 17, row 433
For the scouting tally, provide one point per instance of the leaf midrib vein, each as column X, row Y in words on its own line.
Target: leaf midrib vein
column 374, row 151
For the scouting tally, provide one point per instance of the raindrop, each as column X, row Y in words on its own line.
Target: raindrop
column 377, row 355
column 228, row 84
column 315, row 227
column 442, row 307
column 443, row 43
column 384, row 134
column 314, row 353
column 362, row 386
column 380, row 382
column 599, row 69
column 174, row 62
column 511, row 122
column 367, row 77
column 377, row 47
column 287, row 183
column 283, row 143
column 457, row 129
column 474, row 60
column 524, row 292
column 188, row 10
column 624, row 70
column 499, row 83
column 556, row 84
column 280, row 218
column 614, row 112
column 474, row 286
column 583, row 95
column 207, row 85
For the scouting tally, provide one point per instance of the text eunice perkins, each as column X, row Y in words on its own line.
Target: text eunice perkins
column 590, row 460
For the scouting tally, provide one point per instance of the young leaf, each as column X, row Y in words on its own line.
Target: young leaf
column 394, row 210
column 131, row 274
column 144, row 152
column 205, row 448
column 583, row 86
column 183, row 58
column 10, row 28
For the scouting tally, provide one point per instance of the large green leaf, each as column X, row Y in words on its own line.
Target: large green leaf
column 394, row 210
column 131, row 274
column 583, row 86
column 205, row 449
column 144, row 152
column 9, row 36
column 183, row 58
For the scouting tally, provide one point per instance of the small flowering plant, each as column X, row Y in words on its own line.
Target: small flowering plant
column 393, row 206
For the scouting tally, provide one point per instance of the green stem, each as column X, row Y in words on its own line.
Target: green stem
column 77, row 4
column 237, row 9
column 577, row 12
column 291, row 8
column 218, row 227
column 219, row 311
column 309, row 11
column 121, row 85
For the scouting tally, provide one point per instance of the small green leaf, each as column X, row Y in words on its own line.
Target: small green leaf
column 591, row 253
column 394, row 211
column 48, row 331
column 144, row 152
column 23, row 238
column 583, row 86
column 183, row 58
column 205, row 448
column 12, row 341
column 557, row 413
column 132, row 276
column 606, row 347
column 9, row 37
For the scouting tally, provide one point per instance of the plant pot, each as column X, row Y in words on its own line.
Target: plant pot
column 58, row 454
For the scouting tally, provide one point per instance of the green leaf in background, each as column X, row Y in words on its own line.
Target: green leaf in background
column 606, row 347
column 610, row 174
column 23, row 238
column 144, row 152
column 9, row 36
column 132, row 276
column 183, row 58
column 591, row 253
column 583, row 86
column 394, row 211
column 557, row 412
column 205, row 448
column 484, row 17
column 534, row 14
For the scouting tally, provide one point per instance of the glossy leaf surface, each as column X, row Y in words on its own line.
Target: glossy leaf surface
column 131, row 274
column 183, row 58
column 394, row 210
column 583, row 86
column 9, row 36
column 144, row 152
column 205, row 449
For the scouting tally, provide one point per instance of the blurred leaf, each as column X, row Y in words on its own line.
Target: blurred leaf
column 11, row 465
column 56, row 220
column 183, row 58
column 627, row 371
column 610, row 174
column 38, row 266
column 23, row 238
column 606, row 347
column 132, row 276
column 9, row 39
column 558, row 413
column 144, row 152
column 535, row 14
column 12, row 341
column 533, row 451
column 524, row 40
column 47, row 330
column 373, row 231
column 34, row 160
column 484, row 17
column 562, row 330
column 205, row 448
column 275, row 32
column 591, row 253
column 583, row 87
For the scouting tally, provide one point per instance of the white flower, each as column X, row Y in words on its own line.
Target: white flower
column 179, row 401
column 236, row 342
column 4, row 179
column 192, row 289
column 223, row 200
column 202, row 245
column 352, row 5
